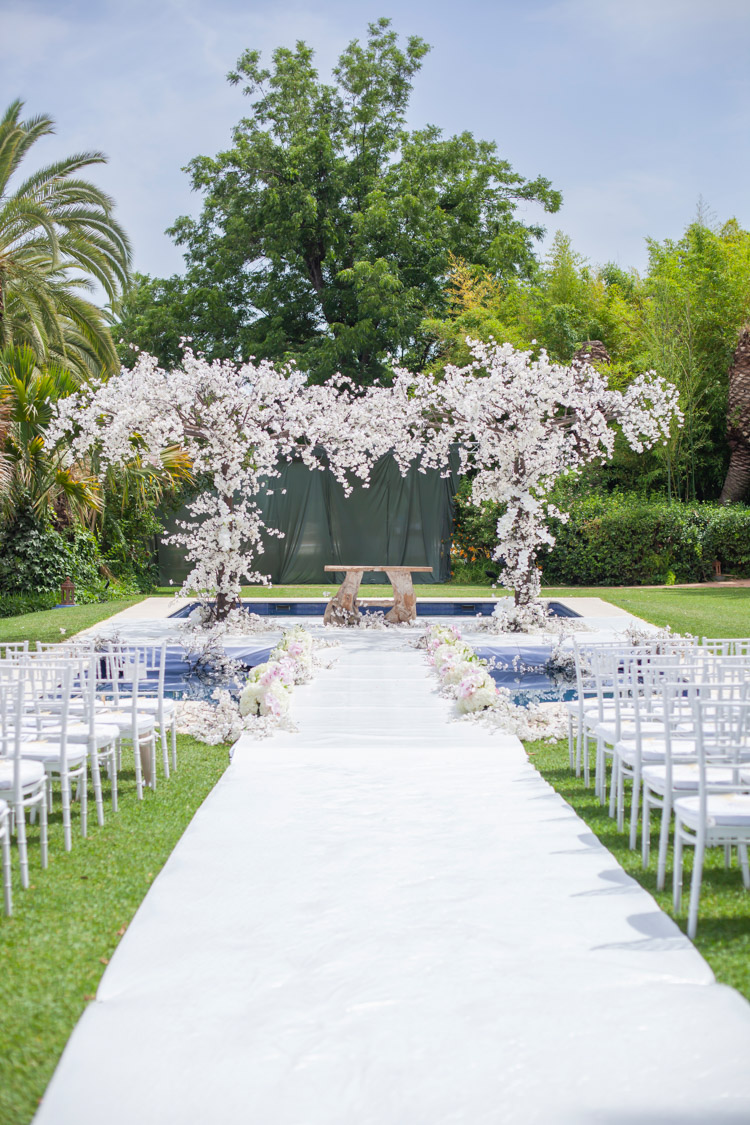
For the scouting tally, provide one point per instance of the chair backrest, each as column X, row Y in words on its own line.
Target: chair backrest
column 13, row 650
column 12, row 694
column 136, row 669
column 723, row 743
column 727, row 646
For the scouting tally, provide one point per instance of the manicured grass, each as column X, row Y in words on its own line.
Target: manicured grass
column 705, row 611
column 724, row 921
column 64, row 928
column 45, row 625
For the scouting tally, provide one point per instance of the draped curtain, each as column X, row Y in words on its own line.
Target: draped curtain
column 404, row 521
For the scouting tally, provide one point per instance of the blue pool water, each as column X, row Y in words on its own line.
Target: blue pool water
column 424, row 609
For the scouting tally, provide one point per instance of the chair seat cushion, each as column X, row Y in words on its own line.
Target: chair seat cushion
column 123, row 720
column 685, row 777
column 31, row 774
column 151, row 705
column 628, row 731
column 78, row 732
column 654, row 750
column 724, row 810
column 48, row 753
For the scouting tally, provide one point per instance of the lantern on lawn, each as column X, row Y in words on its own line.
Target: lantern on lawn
column 68, row 592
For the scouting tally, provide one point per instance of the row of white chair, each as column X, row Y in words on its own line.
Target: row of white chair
column 676, row 724
column 65, row 710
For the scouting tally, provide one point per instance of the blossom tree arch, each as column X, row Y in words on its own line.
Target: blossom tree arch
column 520, row 423
column 235, row 423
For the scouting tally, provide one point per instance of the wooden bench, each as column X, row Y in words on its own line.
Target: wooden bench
column 343, row 608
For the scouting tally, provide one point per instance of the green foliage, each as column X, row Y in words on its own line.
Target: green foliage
column 58, row 236
column 327, row 229
column 617, row 540
column 40, row 476
column 629, row 540
column 36, row 558
column 17, row 605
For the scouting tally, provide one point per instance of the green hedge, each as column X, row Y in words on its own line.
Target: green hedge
column 35, row 559
column 626, row 540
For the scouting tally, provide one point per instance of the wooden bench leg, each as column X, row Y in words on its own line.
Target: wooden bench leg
column 343, row 608
column 404, row 598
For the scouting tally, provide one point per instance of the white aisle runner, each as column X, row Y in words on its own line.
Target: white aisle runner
column 388, row 919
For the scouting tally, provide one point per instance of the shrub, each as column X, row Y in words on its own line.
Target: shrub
column 626, row 540
column 35, row 558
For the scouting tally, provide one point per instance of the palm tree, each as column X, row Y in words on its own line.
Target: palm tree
column 737, row 483
column 58, row 236
column 40, row 475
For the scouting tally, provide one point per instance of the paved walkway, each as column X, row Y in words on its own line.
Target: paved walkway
column 389, row 919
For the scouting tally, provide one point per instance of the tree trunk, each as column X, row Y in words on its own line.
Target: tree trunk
column 593, row 352
column 737, row 482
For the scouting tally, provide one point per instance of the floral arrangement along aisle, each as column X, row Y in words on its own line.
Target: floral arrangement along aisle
column 263, row 701
column 465, row 678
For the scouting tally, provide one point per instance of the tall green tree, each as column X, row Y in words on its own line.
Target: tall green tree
column 327, row 228
column 58, row 236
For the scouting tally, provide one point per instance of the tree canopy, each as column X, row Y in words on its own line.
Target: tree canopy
column 328, row 228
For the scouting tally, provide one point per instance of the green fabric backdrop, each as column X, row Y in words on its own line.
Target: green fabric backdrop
column 405, row 521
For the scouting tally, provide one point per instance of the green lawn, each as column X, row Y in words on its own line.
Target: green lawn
column 724, row 921
column 46, row 624
column 707, row 611
column 64, row 928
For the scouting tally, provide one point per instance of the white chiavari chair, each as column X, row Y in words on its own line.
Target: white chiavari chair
column 678, row 776
column 86, row 724
column 23, row 783
column 719, row 815
column 51, row 683
column 120, row 670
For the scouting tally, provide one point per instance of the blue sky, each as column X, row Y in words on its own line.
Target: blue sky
column 634, row 109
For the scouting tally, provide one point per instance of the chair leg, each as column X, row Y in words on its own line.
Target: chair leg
column 586, row 760
column 113, row 777
column 620, row 797
column 65, row 794
column 666, row 817
column 174, row 742
column 646, row 829
column 23, row 849
column 152, row 757
column 96, row 778
column 7, row 892
column 742, row 853
column 613, row 786
column 677, row 873
column 43, row 830
column 634, row 808
column 138, row 773
column 695, row 888
column 84, row 801
column 164, row 748
column 571, row 748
